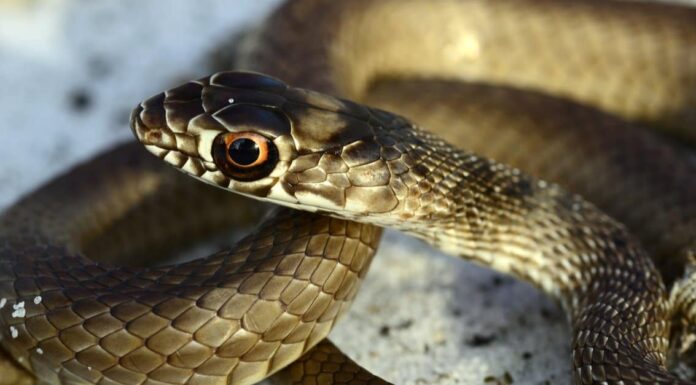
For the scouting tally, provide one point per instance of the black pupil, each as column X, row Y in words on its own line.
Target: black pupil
column 244, row 151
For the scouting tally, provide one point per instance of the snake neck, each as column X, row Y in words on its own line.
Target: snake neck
column 484, row 210
column 497, row 216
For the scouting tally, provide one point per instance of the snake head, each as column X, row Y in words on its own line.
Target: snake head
column 254, row 135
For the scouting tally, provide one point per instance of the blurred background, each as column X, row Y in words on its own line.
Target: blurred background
column 71, row 71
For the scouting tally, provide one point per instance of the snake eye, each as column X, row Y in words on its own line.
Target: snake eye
column 244, row 156
column 244, row 152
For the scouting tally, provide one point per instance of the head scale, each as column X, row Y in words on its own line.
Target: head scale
column 253, row 134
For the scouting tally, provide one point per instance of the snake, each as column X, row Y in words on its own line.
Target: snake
column 327, row 114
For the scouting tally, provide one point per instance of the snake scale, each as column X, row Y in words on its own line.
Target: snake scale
column 240, row 315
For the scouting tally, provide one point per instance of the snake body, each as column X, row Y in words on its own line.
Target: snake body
column 240, row 315
column 228, row 315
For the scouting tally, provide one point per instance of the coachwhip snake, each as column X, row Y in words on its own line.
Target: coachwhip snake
column 240, row 315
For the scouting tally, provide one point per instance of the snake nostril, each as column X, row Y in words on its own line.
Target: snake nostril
column 142, row 131
column 152, row 136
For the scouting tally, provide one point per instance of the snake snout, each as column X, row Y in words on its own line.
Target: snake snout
column 148, row 123
column 135, row 121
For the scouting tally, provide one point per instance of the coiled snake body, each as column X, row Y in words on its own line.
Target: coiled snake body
column 240, row 315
